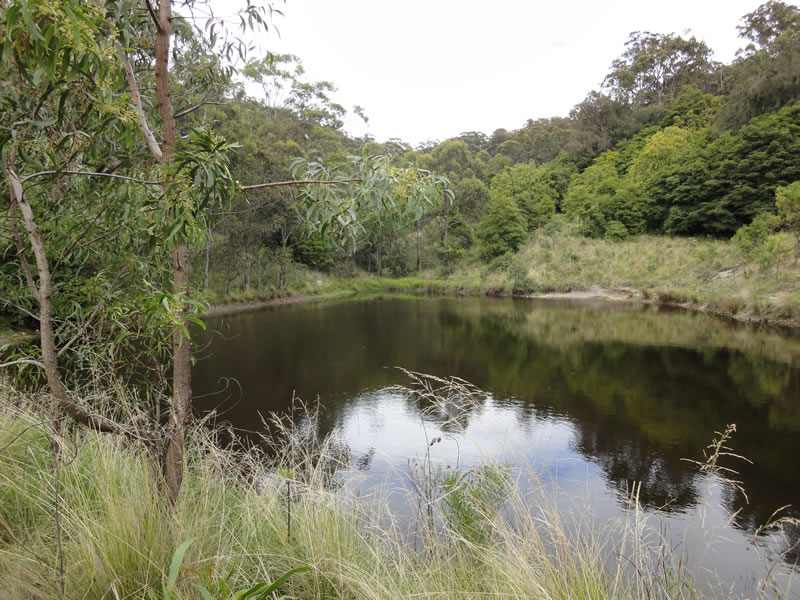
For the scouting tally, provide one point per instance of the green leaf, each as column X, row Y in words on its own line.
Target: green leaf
column 263, row 590
column 203, row 592
column 196, row 321
column 175, row 566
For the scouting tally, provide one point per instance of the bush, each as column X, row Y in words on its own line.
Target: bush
column 616, row 231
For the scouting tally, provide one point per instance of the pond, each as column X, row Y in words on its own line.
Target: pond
column 591, row 396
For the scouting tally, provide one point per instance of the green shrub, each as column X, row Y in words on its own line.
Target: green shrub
column 503, row 229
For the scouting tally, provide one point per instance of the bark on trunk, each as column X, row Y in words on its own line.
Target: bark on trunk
column 181, row 383
column 446, row 222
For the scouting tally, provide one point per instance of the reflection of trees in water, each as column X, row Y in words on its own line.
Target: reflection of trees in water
column 631, row 458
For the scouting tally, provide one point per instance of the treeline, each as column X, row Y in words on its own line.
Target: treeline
column 673, row 143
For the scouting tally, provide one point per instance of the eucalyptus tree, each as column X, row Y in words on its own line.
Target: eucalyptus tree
column 654, row 67
column 281, row 79
column 372, row 198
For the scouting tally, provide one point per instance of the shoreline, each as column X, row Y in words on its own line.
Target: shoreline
column 592, row 293
column 232, row 308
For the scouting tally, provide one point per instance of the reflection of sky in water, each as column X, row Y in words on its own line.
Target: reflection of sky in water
column 385, row 431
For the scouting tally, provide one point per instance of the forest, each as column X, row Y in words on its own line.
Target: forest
column 154, row 170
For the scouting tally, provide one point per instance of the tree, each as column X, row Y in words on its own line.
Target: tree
column 367, row 200
column 764, row 76
column 280, row 77
column 787, row 201
column 503, row 227
column 530, row 188
column 472, row 196
column 767, row 23
column 74, row 72
column 654, row 67
column 600, row 196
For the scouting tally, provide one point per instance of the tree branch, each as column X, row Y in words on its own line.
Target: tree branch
column 22, row 361
column 81, row 330
column 153, row 15
column 259, row 186
column 191, row 109
column 136, row 98
column 21, row 250
column 21, row 309
column 90, row 174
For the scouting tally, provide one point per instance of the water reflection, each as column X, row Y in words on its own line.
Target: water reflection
column 617, row 393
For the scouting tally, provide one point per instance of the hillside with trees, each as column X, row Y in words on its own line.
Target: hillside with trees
column 673, row 143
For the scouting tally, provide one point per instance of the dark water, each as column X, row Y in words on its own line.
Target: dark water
column 594, row 395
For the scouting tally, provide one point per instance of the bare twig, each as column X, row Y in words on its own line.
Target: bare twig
column 22, row 361
column 81, row 330
column 67, row 249
column 21, row 309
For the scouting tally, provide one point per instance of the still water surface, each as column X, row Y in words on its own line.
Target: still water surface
column 591, row 396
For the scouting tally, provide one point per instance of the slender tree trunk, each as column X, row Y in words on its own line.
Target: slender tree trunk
column 419, row 241
column 181, row 348
column 446, row 222
column 284, row 242
column 181, row 383
column 60, row 399
column 207, row 261
column 378, row 256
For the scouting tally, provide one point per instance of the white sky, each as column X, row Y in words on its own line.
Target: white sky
column 431, row 69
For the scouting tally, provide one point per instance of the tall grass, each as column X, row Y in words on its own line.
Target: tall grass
column 254, row 517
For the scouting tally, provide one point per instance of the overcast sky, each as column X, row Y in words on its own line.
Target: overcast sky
column 431, row 69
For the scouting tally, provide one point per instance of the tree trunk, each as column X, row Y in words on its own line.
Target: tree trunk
column 282, row 276
column 181, row 348
column 378, row 257
column 419, row 256
column 181, row 383
column 446, row 222
column 208, row 261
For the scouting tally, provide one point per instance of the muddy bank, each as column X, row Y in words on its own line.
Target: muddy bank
column 255, row 305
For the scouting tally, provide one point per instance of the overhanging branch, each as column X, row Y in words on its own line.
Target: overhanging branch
column 191, row 109
column 90, row 174
column 259, row 186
